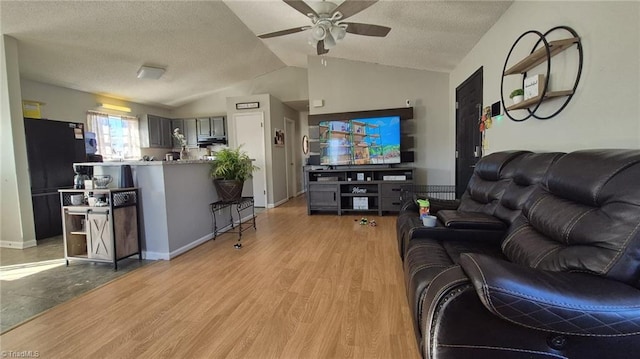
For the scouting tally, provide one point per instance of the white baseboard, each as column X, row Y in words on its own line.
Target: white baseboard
column 168, row 256
column 154, row 256
column 271, row 205
column 301, row 192
column 18, row 245
column 190, row 246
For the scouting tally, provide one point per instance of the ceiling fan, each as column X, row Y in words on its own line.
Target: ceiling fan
column 328, row 25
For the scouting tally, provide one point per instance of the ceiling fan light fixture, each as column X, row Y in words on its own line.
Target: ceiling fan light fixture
column 329, row 41
column 313, row 42
column 338, row 32
column 318, row 32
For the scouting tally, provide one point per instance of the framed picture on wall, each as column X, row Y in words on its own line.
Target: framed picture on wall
column 278, row 138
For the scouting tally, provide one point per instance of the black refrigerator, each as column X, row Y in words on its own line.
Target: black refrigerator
column 52, row 148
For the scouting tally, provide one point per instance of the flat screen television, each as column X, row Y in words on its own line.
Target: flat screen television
column 361, row 141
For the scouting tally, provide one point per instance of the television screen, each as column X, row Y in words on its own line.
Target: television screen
column 362, row 141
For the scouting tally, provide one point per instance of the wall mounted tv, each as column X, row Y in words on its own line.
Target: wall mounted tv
column 361, row 141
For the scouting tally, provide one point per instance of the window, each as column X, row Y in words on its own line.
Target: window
column 117, row 136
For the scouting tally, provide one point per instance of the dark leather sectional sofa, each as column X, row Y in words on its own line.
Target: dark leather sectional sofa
column 540, row 258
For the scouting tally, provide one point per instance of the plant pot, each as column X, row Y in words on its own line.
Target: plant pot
column 228, row 190
column 517, row 99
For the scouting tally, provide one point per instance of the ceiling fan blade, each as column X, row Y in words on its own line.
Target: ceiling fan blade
column 321, row 49
column 283, row 32
column 352, row 7
column 301, row 6
column 367, row 29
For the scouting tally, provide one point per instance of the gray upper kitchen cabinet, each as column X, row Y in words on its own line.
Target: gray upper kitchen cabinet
column 155, row 132
column 213, row 127
column 188, row 128
column 204, row 127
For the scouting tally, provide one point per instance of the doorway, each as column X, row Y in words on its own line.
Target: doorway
column 468, row 136
column 290, row 135
column 249, row 128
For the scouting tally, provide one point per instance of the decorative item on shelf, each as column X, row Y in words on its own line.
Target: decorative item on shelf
column 76, row 199
column 517, row 96
column 229, row 171
column 533, row 86
column 360, row 203
column 102, row 181
column 182, row 141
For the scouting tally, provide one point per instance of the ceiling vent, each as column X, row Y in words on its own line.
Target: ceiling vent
column 150, row 72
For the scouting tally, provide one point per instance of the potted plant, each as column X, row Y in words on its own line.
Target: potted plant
column 517, row 96
column 229, row 171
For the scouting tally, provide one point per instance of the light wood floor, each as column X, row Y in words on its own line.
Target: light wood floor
column 319, row 286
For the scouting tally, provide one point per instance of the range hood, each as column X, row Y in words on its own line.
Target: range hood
column 206, row 141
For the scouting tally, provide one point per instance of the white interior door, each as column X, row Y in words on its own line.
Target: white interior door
column 290, row 142
column 249, row 128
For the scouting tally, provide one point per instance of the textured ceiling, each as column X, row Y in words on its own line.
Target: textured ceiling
column 209, row 45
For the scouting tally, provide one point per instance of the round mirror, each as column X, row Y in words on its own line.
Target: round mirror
column 305, row 144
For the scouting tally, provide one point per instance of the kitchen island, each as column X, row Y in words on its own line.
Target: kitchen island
column 175, row 198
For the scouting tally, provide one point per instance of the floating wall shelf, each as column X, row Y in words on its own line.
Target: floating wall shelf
column 537, row 57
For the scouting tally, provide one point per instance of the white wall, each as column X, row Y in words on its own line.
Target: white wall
column 65, row 104
column 16, row 213
column 278, row 153
column 354, row 86
column 287, row 84
column 605, row 110
column 59, row 104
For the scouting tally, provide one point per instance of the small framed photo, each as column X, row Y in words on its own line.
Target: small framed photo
column 278, row 138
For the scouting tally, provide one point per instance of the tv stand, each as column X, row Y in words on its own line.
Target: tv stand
column 356, row 190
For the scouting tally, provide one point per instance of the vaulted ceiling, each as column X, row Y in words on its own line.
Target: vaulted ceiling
column 206, row 46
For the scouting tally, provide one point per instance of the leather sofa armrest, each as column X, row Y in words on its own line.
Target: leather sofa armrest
column 560, row 302
column 436, row 205
column 443, row 233
column 472, row 220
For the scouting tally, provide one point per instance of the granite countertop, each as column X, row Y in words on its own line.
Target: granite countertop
column 144, row 163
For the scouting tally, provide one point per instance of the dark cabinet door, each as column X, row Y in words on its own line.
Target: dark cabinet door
column 47, row 215
column 323, row 196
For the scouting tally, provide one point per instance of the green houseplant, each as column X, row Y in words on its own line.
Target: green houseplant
column 517, row 95
column 229, row 171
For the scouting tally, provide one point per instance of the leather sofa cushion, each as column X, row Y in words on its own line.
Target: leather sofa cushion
column 588, row 219
column 492, row 175
column 470, row 220
column 532, row 169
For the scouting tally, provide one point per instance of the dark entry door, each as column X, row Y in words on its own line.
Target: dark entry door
column 468, row 143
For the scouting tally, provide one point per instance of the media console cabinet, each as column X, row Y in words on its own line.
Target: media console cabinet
column 356, row 190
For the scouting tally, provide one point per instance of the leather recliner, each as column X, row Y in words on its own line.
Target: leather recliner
column 491, row 176
column 564, row 282
column 439, row 248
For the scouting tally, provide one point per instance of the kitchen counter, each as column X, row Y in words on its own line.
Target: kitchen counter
column 175, row 198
